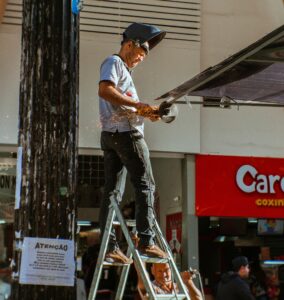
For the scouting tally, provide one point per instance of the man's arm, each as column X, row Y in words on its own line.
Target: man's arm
column 193, row 291
column 108, row 91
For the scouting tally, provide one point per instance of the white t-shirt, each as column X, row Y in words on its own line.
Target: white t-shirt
column 116, row 118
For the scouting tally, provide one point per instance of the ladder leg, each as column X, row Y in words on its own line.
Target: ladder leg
column 201, row 285
column 138, row 261
column 117, row 193
column 123, row 278
column 102, row 253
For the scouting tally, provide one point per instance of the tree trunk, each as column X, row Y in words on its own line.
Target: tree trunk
column 48, row 132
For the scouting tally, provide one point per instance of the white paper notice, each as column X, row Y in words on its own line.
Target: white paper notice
column 47, row 262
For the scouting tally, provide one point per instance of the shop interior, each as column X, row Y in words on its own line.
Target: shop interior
column 261, row 240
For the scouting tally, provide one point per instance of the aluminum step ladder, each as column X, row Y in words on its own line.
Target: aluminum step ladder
column 132, row 252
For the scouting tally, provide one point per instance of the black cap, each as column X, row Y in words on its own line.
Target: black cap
column 239, row 261
column 141, row 33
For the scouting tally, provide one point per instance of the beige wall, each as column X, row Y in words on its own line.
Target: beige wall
column 2, row 9
column 227, row 27
column 168, row 178
column 9, row 83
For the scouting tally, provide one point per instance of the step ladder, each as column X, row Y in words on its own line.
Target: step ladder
column 132, row 252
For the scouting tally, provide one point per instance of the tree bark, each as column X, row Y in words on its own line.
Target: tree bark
column 48, row 133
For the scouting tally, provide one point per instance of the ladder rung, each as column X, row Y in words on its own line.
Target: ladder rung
column 129, row 223
column 154, row 260
column 105, row 263
column 171, row 297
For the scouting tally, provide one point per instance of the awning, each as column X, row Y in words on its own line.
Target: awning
column 255, row 73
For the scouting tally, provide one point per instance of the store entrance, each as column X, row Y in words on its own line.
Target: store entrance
column 260, row 240
column 7, row 204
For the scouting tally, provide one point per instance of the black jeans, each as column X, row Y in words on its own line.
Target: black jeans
column 128, row 150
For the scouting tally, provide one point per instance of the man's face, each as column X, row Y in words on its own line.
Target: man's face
column 244, row 271
column 162, row 273
column 134, row 55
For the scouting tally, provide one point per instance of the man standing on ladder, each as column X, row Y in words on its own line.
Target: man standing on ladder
column 122, row 140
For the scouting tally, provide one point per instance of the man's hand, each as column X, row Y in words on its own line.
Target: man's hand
column 187, row 276
column 194, row 292
column 147, row 111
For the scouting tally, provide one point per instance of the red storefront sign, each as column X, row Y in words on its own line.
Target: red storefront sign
column 239, row 186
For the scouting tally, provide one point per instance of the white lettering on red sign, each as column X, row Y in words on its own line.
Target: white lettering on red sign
column 259, row 182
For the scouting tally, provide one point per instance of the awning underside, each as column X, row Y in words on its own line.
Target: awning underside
column 265, row 84
column 255, row 73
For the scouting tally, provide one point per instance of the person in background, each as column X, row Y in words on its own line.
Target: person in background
column 163, row 283
column 258, row 280
column 233, row 285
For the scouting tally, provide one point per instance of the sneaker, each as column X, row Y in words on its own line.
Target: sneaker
column 117, row 256
column 152, row 251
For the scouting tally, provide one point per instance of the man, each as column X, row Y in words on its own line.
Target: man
column 232, row 285
column 163, row 283
column 122, row 141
